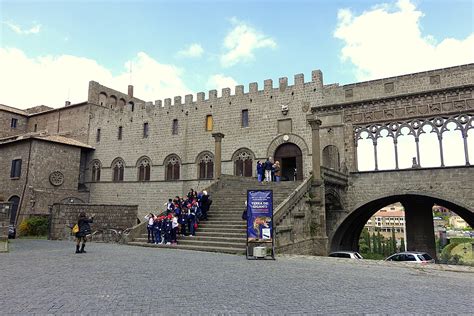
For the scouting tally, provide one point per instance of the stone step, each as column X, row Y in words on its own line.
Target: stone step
column 206, row 243
column 223, row 221
column 212, row 238
column 220, row 230
column 239, row 251
column 223, row 234
column 203, row 225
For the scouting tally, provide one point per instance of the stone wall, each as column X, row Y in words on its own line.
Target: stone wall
column 4, row 220
column 70, row 121
column 265, row 111
column 6, row 116
column 453, row 184
column 33, row 186
column 427, row 81
column 64, row 216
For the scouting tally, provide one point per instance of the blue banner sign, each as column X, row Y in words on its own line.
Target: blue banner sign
column 260, row 215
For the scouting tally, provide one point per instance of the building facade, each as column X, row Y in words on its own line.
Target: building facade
column 116, row 148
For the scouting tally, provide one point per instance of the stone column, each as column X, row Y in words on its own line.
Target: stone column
column 217, row 154
column 419, row 225
column 315, row 123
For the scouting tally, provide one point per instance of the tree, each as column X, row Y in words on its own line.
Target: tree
column 374, row 243
column 402, row 244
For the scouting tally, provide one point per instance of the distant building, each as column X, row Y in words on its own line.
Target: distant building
column 387, row 219
column 456, row 222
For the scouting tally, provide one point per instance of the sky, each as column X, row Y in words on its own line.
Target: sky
column 50, row 50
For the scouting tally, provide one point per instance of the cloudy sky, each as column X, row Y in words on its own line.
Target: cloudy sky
column 49, row 50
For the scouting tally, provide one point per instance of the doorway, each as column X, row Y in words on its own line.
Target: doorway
column 15, row 201
column 291, row 160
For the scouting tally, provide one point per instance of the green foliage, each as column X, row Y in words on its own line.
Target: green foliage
column 34, row 226
column 460, row 240
column 372, row 256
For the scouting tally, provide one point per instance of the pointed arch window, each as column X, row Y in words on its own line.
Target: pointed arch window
column 243, row 164
column 144, row 170
column 96, row 171
column 206, row 166
column 118, row 169
column 172, row 168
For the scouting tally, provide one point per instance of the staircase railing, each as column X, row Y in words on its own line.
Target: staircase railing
column 285, row 207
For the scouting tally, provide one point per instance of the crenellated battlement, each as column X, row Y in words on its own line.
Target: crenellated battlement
column 253, row 91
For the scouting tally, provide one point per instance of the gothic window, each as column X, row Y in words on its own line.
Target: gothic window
column 206, row 166
column 96, row 171
column 97, row 136
column 172, row 166
column 118, row 168
column 243, row 164
column 144, row 170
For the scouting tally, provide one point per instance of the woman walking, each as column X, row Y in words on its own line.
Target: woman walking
column 84, row 230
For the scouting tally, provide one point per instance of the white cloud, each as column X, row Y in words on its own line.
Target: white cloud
column 241, row 42
column 193, row 50
column 49, row 80
column 17, row 29
column 387, row 41
column 219, row 82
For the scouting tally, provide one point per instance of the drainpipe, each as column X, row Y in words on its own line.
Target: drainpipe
column 26, row 183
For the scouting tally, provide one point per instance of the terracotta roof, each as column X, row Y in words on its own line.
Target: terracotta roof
column 12, row 110
column 390, row 214
column 45, row 137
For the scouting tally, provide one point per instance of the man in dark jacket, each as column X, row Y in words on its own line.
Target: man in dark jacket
column 205, row 204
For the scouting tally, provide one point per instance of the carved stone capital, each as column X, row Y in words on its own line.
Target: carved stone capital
column 218, row 136
column 313, row 121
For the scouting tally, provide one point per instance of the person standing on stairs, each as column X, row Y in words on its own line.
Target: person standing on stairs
column 268, row 166
column 260, row 171
column 205, row 204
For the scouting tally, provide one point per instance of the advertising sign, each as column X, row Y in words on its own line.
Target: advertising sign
column 260, row 215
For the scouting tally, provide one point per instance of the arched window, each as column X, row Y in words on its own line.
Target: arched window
column 112, row 100
column 331, row 157
column 243, row 163
column 102, row 98
column 95, row 171
column 144, row 170
column 206, row 166
column 118, row 167
column 172, row 165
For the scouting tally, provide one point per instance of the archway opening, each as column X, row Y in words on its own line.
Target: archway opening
column 291, row 161
column 15, row 200
column 402, row 222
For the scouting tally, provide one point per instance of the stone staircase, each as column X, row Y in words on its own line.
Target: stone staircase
column 225, row 231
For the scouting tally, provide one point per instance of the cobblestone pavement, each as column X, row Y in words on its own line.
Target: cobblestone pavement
column 46, row 277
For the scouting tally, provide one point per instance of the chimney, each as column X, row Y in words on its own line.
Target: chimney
column 130, row 91
column 68, row 103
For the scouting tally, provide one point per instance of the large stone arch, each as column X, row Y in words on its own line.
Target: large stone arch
column 348, row 229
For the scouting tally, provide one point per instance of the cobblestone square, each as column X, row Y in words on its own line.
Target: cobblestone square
column 47, row 277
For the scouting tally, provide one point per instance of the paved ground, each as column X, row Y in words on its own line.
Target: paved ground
column 46, row 277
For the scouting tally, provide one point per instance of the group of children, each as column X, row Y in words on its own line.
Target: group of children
column 181, row 217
